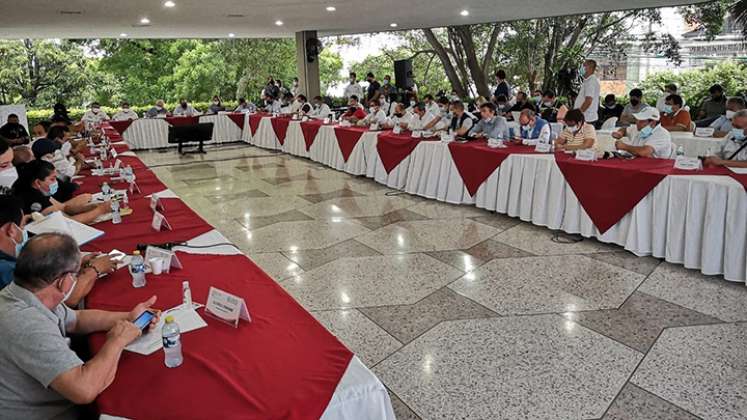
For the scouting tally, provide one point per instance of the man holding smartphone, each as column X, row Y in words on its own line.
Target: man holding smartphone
column 40, row 376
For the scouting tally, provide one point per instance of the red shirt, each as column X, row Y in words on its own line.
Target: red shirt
column 359, row 113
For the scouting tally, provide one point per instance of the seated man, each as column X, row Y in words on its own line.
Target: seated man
column 491, row 125
column 609, row 109
column 675, row 118
column 375, row 115
column 94, row 115
column 13, row 132
column 430, row 105
column 355, row 112
column 647, row 138
column 12, row 236
column 125, row 113
column 578, row 134
column 399, row 118
column 533, row 127
column 733, row 149
column 304, row 107
column 549, row 107
column 422, row 120
column 245, row 107
column 184, row 109
column 669, row 89
column 8, row 172
column 21, row 155
column 158, row 111
column 321, row 110
column 722, row 126
column 461, row 122
column 36, row 362
column 501, row 106
column 272, row 105
column 635, row 106
column 216, row 106
column 522, row 103
column 713, row 107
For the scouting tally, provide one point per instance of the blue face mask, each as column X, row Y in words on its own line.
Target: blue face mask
column 646, row 132
column 24, row 239
column 668, row 109
column 53, row 187
column 738, row 134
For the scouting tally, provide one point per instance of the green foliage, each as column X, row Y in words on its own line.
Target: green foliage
column 693, row 84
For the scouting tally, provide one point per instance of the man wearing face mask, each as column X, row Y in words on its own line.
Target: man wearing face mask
column 610, row 109
column 675, row 118
column 461, row 121
column 13, row 132
column 216, row 106
column 647, row 138
column 42, row 376
column 430, row 105
column 669, row 89
column 533, row 127
column 549, row 107
column 158, row 111
column 184, row 109
column 125, row 113
column 501, row 105
column 95, row 115
column 374, row 88
column 491, row 125
column 635, row 106
column 588, row 96
column 12, row 236
column 321, row 110
column 8, row 172
column 387, row 89
column 733, row 149
column 375, row 115
column 713, row 107
column 722, row 126
column 353, row 89
column 399, row 118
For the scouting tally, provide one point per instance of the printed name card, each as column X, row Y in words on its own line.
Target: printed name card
column 543, row 147
column 155, row 203
column 587, row 155
column 704, row 132
column 397, row 129
column 159, row 221
column 226, row 307
column 114, row 153
column 117, row 165
column 686, row 163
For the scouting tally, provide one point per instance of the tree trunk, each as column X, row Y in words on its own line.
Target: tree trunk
column 451, row 73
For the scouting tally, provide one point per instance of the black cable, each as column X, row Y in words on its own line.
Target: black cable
column 564, row 238
column 210, row 246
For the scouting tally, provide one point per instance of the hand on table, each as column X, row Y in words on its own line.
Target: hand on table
column 104, row 264
column 616, row 135
column 620, row 145
column 124, row 331
column 713, row 161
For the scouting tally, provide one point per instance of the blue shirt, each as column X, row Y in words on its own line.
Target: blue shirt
column 7, row 267
column 495, row 128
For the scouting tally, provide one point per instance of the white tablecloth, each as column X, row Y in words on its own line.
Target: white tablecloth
column 294, row 140
column 265, row 136
column 153, row 133
column 326, row 151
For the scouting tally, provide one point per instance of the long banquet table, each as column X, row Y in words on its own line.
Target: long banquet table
column 282, row 364
column 153, row 133
column 691, row 218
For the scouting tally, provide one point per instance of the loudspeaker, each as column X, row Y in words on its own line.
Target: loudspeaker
column 403, row 76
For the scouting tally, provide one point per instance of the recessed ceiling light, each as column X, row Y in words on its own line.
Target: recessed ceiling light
column 279, row 22
column 145, row 21
column 464, row 13
column 169, row 4
column 331, row 8
column 231, row 35
column 123, row 35
column 393, row 25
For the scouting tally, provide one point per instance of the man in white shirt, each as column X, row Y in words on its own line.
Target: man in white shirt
column 125, row 113
column 95, row 115
column 461, row 121
column 647, row 138
column 272, row 105
column 422, row 120
column 588, row 96
column 321, row 110
column 184, row 109
column 431, row 105
column 399, row 118
column 722, row 125
column 732, row 150
column 353, row 89
column 375, row 115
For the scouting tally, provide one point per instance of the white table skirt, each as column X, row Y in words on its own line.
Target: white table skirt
column 265, row 136
column 693, row 146
column 396, row 179
column 246, row 133
column 326, row 151
column 294, row 140
column 433, row 174
column 153, row 133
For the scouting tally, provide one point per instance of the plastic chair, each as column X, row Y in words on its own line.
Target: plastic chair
column 609, row 124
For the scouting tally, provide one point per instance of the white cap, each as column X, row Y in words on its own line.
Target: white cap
column 648, row 113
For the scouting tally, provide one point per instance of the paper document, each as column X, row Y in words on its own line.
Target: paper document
column 741, row 171
column 187, row 318
column 57, row 222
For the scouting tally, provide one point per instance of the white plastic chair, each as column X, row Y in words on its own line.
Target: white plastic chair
column 609, row 124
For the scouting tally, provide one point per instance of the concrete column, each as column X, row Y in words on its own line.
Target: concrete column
column 308, row 73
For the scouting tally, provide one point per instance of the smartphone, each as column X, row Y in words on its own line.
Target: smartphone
column 143, row 321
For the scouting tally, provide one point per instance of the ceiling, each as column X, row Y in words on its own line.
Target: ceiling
column 257, row 18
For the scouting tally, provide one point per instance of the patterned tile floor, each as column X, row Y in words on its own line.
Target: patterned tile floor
column 468, row 314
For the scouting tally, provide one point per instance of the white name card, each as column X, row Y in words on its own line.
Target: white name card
column 159, row 220
column 587, row 155
column 446, row 137
column 543, row 147
column 686, row 163
column 397, row 129
column 169, row 258
column 155, row 203
column 114, row 153
column 117, row 164
column 704, row 132
column 226, row 307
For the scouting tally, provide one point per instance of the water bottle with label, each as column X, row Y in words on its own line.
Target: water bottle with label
column 116, row 216
column 125, row 201
column 128, row 174
column 680, row 150
column 106, row 190
column 172, row 343
column 137, row 269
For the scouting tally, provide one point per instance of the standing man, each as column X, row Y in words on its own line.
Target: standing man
column 502, row 88
column 588, row 96
column 13, row 132
column 353, row 89
column 374, row 88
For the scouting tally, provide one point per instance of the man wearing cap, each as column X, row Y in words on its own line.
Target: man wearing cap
column 647, row 138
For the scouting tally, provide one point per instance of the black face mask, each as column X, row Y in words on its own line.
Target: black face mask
column 184, row 104
column 634, row 101
column 398, row 114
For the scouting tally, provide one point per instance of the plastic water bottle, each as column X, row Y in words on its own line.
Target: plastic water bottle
column 680, row 150
column 128, row 174
column 116, row 216
column 172, row 343
column 137, row 268
column 106, row 190
column 125, row 201
column 186, row 295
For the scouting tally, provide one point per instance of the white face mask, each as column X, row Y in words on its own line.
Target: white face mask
column 70, row 291
column 730, row 114
column 8, row 177
column 95, row 110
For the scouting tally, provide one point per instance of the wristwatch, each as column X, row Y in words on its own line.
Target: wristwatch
column 91, row 266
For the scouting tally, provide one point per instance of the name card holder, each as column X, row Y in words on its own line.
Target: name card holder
column 169, row 258
column 113, row 153
column 704, row 132
column 543, row 147
column 155, row 203
column 226, row 308
column 586, row 155
column 397, row 129
column 686, row 163
column 159, row 221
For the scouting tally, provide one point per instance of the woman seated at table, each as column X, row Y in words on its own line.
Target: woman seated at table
column 578, row 134
column 37, row 184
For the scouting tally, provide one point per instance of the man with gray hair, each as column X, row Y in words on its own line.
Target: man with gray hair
column 722, row 126
column 732, row 151
column 40, row 376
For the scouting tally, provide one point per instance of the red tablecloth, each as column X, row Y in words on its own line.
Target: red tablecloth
column 282, row 365
column 475, row 161
column 394, row 148
column 310, row 129
column 179, row 121
column 254, row 121
column 347, row 138
column 280, row 127
column 120, row 126
column 237, row 118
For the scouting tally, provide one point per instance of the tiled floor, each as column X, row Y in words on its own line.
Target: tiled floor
column 467, row 314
